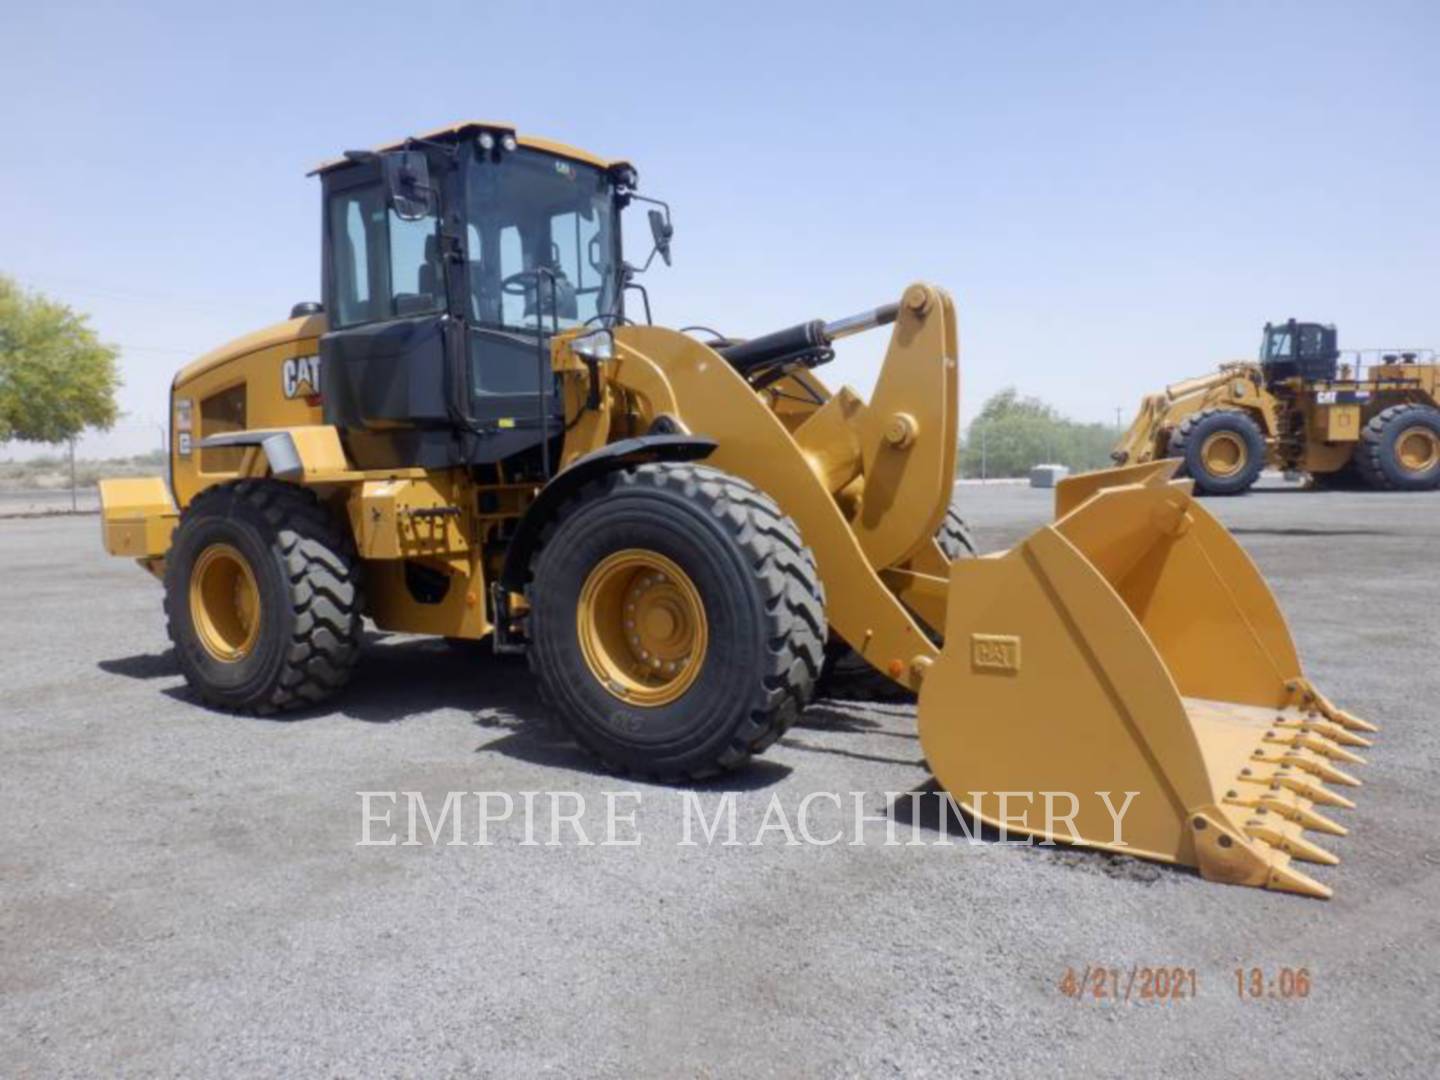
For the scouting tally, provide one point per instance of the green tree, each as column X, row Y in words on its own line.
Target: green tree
column 1012, row 433
column 56, row 377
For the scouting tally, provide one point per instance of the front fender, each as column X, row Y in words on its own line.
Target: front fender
column 566, row 483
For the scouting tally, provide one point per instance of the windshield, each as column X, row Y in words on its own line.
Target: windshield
column 542, row 242
column 1300, row 342
column 1275, row 345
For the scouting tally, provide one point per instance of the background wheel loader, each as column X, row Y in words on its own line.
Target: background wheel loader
column 1301, row 410
column 473, row 438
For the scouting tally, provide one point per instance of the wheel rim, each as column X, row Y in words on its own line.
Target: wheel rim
column 224, row 603
column 642, row 627
column 1417, row 449
column 1223, row 454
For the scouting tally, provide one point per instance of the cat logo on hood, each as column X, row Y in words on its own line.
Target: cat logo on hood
column 300, row 377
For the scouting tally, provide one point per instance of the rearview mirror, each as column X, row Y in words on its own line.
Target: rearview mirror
column 661, row 230
column 407, row 184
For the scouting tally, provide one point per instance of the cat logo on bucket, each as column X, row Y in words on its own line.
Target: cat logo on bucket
column 300, row 377
column 995, row 652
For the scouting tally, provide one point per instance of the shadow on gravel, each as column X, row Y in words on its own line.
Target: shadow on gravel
column 1242, row 531
column 759, row 774
column 957, row 824
column 855, row 717
column 849, row 712
column 395, row 679
column 143, row 665
column 398, row 678
column 856, row 755
column 544, row 743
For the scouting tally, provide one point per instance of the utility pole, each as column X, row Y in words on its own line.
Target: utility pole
column 74, row 498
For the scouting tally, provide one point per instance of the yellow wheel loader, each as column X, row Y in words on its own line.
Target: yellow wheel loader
column 476, row 437
column 1298, row 409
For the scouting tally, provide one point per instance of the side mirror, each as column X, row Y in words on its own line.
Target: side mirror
column 407, row 184
column 661, row 230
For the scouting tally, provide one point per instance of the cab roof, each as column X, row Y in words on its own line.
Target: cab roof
column 467, row 128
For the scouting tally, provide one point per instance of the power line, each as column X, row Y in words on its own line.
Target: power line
column 104, row 292
column 69, row 287
column 124, row 348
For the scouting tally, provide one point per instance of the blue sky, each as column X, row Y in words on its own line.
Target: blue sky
column 1117, row 194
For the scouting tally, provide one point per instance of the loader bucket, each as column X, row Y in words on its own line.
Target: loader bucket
column 1123, row 679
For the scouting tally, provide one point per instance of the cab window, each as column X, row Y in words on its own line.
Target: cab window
column 382, row 266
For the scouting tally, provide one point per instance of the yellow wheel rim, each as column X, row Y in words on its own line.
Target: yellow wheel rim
column 1418, row 449
column 1223, row 454
column 642, row 627
column 224, row 603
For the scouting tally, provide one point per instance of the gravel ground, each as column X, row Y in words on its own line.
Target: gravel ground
column 181, row 892
column 35, row 502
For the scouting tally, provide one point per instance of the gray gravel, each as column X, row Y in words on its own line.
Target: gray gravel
column 181, row 891
column 35, row 502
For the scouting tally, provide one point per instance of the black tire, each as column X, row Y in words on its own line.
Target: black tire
column 954, row 536
column 1189, row 441
column 846, row 674
column 762, row 599
column 1377, row 456
column 308, row 583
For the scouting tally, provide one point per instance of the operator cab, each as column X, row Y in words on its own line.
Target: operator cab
column 1309, row 351
column 451, row 260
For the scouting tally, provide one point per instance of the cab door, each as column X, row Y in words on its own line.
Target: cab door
column 384, row 372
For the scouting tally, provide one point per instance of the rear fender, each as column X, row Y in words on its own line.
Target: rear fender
column 310, row 454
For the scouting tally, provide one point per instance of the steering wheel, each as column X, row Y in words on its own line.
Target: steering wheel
column 521, row 283
column 614, row 317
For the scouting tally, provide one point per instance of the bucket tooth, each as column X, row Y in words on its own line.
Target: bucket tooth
column 1288, row 879
column 1302, row 816
column 1254, row 853
column 1287, row 802
column 1314, row 742
column 1338, row 734
column 1294, row 846
column 1321, row 745
column 1322, row 769
column 1312, row 790
column 1327, row 728
column 1352, row 723
column 1316, row 701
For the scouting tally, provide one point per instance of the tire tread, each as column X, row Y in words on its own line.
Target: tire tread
column 323, row 578
column 1369, row 455
column 1180, row 444
column 791, row 594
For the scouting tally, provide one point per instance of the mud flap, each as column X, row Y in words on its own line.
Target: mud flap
column 1125, row 679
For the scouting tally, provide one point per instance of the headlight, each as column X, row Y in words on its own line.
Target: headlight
column 486, row 141
column 508, row 142
column 596, row 345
